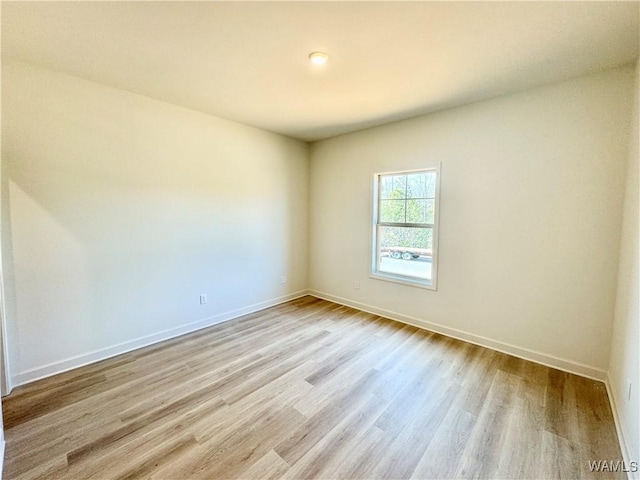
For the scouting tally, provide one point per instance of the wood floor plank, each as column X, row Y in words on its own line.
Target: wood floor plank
column 522, row 439
column 326, row 458
column 310, row 389
column 228, row 456
column 488, row 438
column 442, row 457
column 292, row 448
column 416, row 436
column 270, row 467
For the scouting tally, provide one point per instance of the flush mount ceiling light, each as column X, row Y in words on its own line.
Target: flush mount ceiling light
column 318, row 58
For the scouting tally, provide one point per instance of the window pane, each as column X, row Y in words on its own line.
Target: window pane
column 417, row 185
column 399, row 186
column 430, row 208
column 386, row 186
column 392, row 211
column 417, row 211
column 405, row 251
column 413, row 237
column 431, row 184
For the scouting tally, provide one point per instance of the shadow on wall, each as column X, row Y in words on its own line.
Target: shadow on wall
column 120, row 211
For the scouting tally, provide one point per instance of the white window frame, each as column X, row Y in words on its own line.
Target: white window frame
column 375, row 259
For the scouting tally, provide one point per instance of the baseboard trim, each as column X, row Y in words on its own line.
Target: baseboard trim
column 526, row 354
column 622, row 439
column 125, row 347
column 2, row 445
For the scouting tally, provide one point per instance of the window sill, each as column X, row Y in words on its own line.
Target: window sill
column 388, row 277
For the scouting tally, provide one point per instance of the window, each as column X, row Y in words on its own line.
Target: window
column 405, row 226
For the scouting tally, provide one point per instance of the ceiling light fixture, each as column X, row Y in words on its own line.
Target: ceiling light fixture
column 318, row 58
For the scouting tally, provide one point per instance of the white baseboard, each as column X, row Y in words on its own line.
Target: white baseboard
column 524, row 353
column 624, row 445
column 108, row 352
column 112, row 351
column 2, row 445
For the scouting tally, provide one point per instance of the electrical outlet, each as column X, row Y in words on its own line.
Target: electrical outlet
column 283, row 279
column 203, row 298
column 356, row 285
column 628, row 390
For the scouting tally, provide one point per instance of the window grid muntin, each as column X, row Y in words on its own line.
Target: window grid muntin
column 406, row 197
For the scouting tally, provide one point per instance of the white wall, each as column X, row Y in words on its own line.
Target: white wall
column 625, row 362
column 531, row 201
column 3, row 379
column 123, row 209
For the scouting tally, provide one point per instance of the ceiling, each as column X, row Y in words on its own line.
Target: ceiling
column 247, row 61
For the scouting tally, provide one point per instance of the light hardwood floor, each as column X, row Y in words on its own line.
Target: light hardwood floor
column 310, row 389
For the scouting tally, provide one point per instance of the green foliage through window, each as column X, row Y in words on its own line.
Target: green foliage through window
column 408, row 198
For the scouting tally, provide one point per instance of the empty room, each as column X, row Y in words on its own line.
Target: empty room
column 320, row 240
